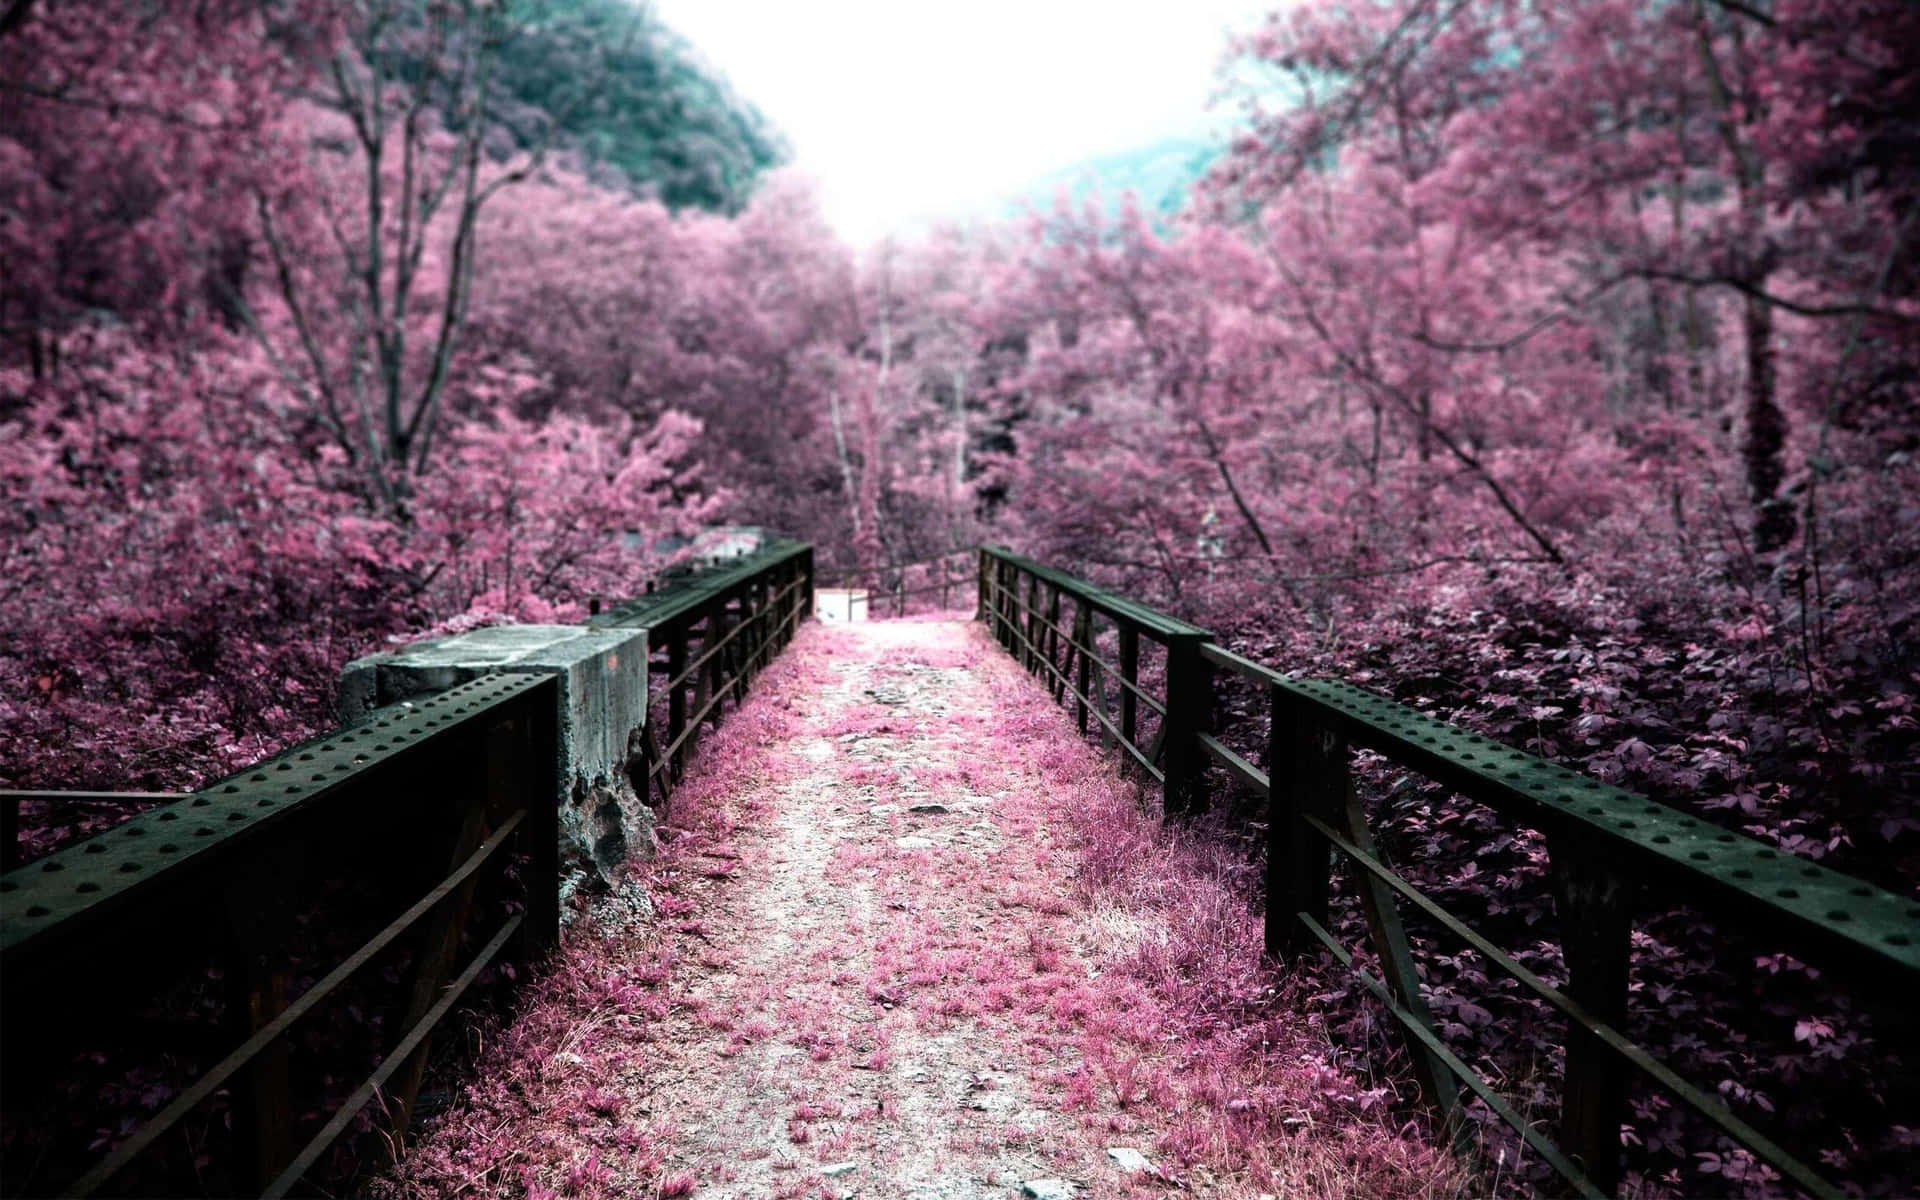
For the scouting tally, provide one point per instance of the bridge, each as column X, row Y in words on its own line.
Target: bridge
column 276, row 956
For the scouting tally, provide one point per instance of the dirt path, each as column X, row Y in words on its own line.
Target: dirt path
column 879, row 963
column 880, row 930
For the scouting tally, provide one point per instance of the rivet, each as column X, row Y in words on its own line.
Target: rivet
column 1839, row 914
column 1787, row 894
column 132, row 831
column 230, row 788
column 95, row 848
column 1862, row 891
column 169, row 816
column 203, row 831
column 53, row 865
column 1742, row 873
column 38, row 910
column 1700, row 856
column 284, row 767
column 304, row 758
column 202, row 801
column 169, row 848
column 1897, row 939
column 236, row 816
column 258, row 777
column 128, row 868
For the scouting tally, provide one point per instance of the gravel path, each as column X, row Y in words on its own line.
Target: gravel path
column 868, row 963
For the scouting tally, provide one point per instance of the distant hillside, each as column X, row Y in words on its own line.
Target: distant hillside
column 1162, row 175
column 633, row 95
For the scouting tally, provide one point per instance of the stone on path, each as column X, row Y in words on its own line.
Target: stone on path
column 1130, row 1160
column 928, row 808
column 914, row 843
column 1047, row 1189
column 838, row 1169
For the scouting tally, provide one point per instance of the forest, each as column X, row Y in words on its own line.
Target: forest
column 1549, row 367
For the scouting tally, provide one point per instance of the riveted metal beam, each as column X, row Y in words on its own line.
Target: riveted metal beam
column 1689, row 859
column 70, row 890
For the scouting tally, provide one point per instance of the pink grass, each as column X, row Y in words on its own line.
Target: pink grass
column 1103, row 971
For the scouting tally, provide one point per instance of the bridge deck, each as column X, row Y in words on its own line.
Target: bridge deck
column 910, row 937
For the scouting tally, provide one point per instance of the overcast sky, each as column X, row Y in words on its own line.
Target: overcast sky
column 905, row 111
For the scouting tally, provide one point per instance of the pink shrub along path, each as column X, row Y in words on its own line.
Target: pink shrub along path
column 908, row 935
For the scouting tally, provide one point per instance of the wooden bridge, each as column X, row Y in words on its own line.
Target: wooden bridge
column 221, row 927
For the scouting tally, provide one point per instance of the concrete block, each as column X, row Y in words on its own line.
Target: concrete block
column 603, row 701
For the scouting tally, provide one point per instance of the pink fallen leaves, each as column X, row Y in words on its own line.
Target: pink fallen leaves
column 1121, row 1005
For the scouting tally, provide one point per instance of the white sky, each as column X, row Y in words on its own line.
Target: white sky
column 909, row 111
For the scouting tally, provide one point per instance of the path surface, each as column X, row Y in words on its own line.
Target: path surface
column 885, row 958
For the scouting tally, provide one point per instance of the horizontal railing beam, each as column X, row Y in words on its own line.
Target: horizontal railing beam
column 162, row 849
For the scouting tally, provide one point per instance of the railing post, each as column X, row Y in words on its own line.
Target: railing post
column 1033, row 623
column 1309, row 775
column 1057, row 684
column 256, row 994
column 1299, row 862
column 806, row 593
column 1082, row 638
column 1595, row 906
column 1008, row 582
column 704, row 677
column 981, row 611
column 533, row 776
column 1189, row 704
column 676, row 695
column 1130, row 672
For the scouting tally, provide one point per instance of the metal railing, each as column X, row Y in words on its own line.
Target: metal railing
column 911, row 584
column 105, row 933
column 1614, row 855
column 363, row 881
column 742, row 614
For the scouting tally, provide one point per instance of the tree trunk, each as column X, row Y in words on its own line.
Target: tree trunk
column 846, row 463
column 1766, row 433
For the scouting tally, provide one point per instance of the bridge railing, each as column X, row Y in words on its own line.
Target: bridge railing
column 931, row 583
column 1614, row 855
column 708, row 636
column 240, row 953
